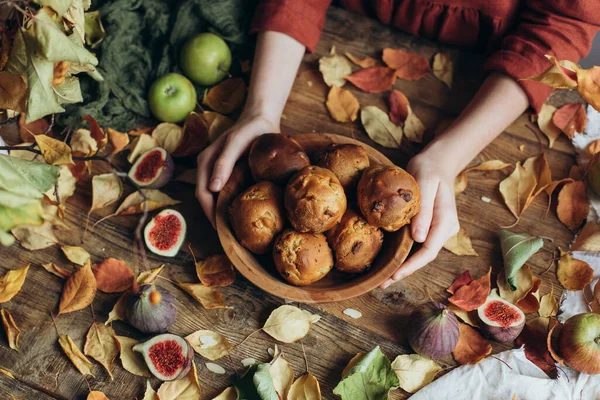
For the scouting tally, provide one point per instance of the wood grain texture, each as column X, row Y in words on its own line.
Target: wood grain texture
column 44, row 372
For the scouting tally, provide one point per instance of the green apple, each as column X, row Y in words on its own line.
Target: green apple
column 579, row 343
column 172, row 97
column 205, row 59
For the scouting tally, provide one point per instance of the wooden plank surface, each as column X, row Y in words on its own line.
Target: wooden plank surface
column 44, row 372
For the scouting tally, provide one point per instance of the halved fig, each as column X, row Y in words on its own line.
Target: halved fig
column 502, row 320
column 153, row 169
column 165, row 233
column 168, row 357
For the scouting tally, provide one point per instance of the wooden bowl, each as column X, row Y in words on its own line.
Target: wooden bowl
column 336, row 286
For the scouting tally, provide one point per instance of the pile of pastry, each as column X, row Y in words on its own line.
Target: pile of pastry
column 315, row 217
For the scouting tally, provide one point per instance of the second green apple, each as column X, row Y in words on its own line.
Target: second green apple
column 205, row 59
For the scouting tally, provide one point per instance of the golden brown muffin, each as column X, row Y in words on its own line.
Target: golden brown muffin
column 257, row 216
column 302, row 258
column 388, row 197
column 355, row 243
column 314, row 200
column 346, row 161
column 276, row 157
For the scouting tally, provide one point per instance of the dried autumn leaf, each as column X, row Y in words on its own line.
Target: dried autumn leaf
column 472, row 295
column 113, row 276
column 570, row 118
column 54, row 151
column 489, row 165
column 552, row 339
column 150, row 394
column 399, row 107
column 460, row 244
column 215, row 270
column 531, row 302
column 468, row 317
column 217, row 124
column 134, row 203
column 100, row 344
column 226, row 96
column 374, row 79
column 413, row 127
column 546, row 124
column 76, row 254
column 209, row 344
column 79, row 290
column 7, row 373
column 573, row 205
column 195, row 136
column 118, row 140
column 97, row 132
column 379, row 127
column 334, row 69
column 96, row 395
column 342, row 105
column 168, row 135
column 118, row 311
column 463, row 279
column 208, row 297
column 588, row 239
column 181, row 389
column 106, row 190
column 60, row 72
column 414, row 371
column 83, row 143
column 516, row 250
column 148, row 277
column 536, row 350
column 443, row 68
column 11, row 283
column 573, row 274
column 471, row 347
column 409, row 66
column 56, row 270
column 548, row 306
column 366, row 62
column 593, row 148
column 65, row 187
column 289, row 324
column 132, row 361
column 81, row 362
column 559, row 75
column 140, row 145
column 588, row 84
column 305, row 387
column 228, row 394
column 524, row 278
column 28, row 131
column 517, row 189
column 282, row 374
column 13, row 92
column 11, row 329
column 460, row 183
column 35, row 237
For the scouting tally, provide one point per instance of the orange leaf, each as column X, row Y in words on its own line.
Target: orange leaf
column 409, row 66
column 462, row 280
column 96, row 395
column 97, row 132
column 573, row 274
column 342, row 105
column 594, row 147
column 79, row 290
column 215, row 270
column 118, row 140
column 570, row 118
column 113, row 276
column 531, row 302
column 60, row 72
column 366, row 62
column 573, row 205
column 560, row 75
column 471, row 347
column 399, row 107
column 536, row 350
column 469, row 297
column 374, row 79
column 588, row 239
column 195, row 136
column 552, row 339
column 226, row 96
column 588, row 84
column 27, row 131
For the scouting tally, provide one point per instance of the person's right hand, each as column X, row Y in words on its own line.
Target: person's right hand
column 216, row 162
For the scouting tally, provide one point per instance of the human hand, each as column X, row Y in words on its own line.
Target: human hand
column 437, row 219
column 216, row 162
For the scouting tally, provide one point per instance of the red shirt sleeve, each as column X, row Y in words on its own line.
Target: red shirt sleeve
column 562, row 28
column 301, row 19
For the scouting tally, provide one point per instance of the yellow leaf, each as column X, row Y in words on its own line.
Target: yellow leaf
column 413, row 127
column 13, row 91
column 76, row 254
column 573, row 274
column 11, row 283
column 54, row 151
column 96, row 395
column 282, row 374
column 7, row 373
column 217, row 124
column 208, row 297
column 414, row 371
column 168, row 136
column 342, row 105
column 118, row 311
column 134, row 203
column 132, row 361
column 226, row 96
column 305, row 388
column 209, row 344
column 555, row 76
column 460, row 183
column 101, row 345
column 79, row 290
column 186, row 388
column 83, row 142
column 118, row 140
column 443, row 68
column 379, row 127
column 548, row 306
column 334, row 68
column 546, row 124
column 524, row 279
column 517, row 189
column 56, row 270
column 150, row 394
column 215, row 270
column 11, row 329
column 468, row 317
column 35, row 237
column 588, row 84
column 228, row 394
column 66, row 187
column 366, row 62
column 460, row 244
column 289, row 324
column 106, row 189
column 140, row 145
column 148, row 277
column 83, row 365
column 588, row 239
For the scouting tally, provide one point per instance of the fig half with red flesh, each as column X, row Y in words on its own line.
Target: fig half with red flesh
column 502, row 320
column 165, row 233
column 168, row 357
column 153, row 169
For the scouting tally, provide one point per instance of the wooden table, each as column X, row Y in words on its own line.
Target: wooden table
column 44, row 372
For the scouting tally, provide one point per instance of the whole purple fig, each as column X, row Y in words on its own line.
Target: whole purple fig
column 150, row 309
column 433, row 330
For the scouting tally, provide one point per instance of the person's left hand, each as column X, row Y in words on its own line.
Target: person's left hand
column 437, row 220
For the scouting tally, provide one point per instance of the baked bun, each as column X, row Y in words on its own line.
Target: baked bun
column 276, row 157
column 302, row 258
column 346, row 161
column 314, row 200
column 257, row 216
column 388, row 196
column 355, row 243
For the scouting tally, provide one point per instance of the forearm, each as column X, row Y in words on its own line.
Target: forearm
column 276, row 62
column 499, row 101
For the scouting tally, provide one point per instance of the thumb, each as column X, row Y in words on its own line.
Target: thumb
column 232, row 149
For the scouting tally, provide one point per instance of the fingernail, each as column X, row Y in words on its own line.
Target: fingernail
column 215, row 184
column 420, row 235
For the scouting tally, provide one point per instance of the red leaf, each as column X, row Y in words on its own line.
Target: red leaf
column 570, row 118
column 195, row 136
column 462, row 280
column 409, row 66
column 374, row 79
column 97, row 132
column 113, row 276
column 536, row 350
column 399, row 107
column 469, row 297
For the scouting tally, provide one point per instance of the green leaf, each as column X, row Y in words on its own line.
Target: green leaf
column 245, row 385
column 94, row 31
column 264, row 383
column 11, row 217
column 69, row 91
column 371, row 378
column 17, row 62
column 6, row 239
column 24, row 182
column 516, row 250
column 60, row 6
